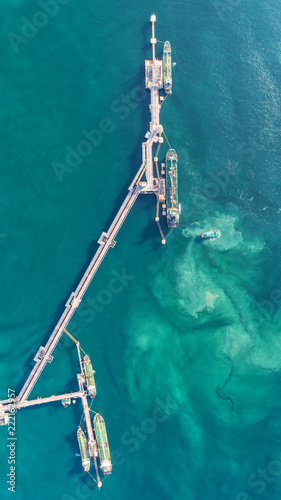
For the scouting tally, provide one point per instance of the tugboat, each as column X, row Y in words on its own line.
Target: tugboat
column 211, row 235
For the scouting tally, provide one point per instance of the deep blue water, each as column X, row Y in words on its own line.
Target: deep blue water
column 187, row 353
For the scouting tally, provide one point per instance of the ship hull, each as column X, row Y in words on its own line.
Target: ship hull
column 102, row 442
column 167, row 68
column 90, row 379
column 173, row 208
column 83, row 450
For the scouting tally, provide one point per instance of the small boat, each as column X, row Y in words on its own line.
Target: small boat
column 66, row 402
column 211, row 235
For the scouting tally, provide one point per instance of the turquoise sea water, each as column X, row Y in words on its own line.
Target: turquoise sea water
column 187, row 352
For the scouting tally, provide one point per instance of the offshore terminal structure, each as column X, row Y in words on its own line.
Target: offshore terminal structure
column 93, row 442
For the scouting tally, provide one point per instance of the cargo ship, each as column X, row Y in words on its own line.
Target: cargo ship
column 102, row 441
column 83, row 449
column 167, row 67
column 90, row 379
column 173, row 206
column 211, row 235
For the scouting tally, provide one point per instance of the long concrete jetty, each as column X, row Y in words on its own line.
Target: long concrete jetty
column 140, row 185
column 146, row 180
column 105, row 241
column 18, row 405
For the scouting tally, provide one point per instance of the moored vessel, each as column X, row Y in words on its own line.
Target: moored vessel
column 102, row 442
column 83, row 449
column 211, row 235
column 173, row 206
column 90, row 379
column 167, row 67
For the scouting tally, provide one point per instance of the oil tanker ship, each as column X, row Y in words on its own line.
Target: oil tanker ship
column 167, row 67
column 103, row 447
column 90, row 379
column 173, row 206
column 83, row 449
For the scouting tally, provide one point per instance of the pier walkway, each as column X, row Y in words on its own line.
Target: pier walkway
column 17, row 405
column 105, row 241
column 144, row 182
column 154, row 81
